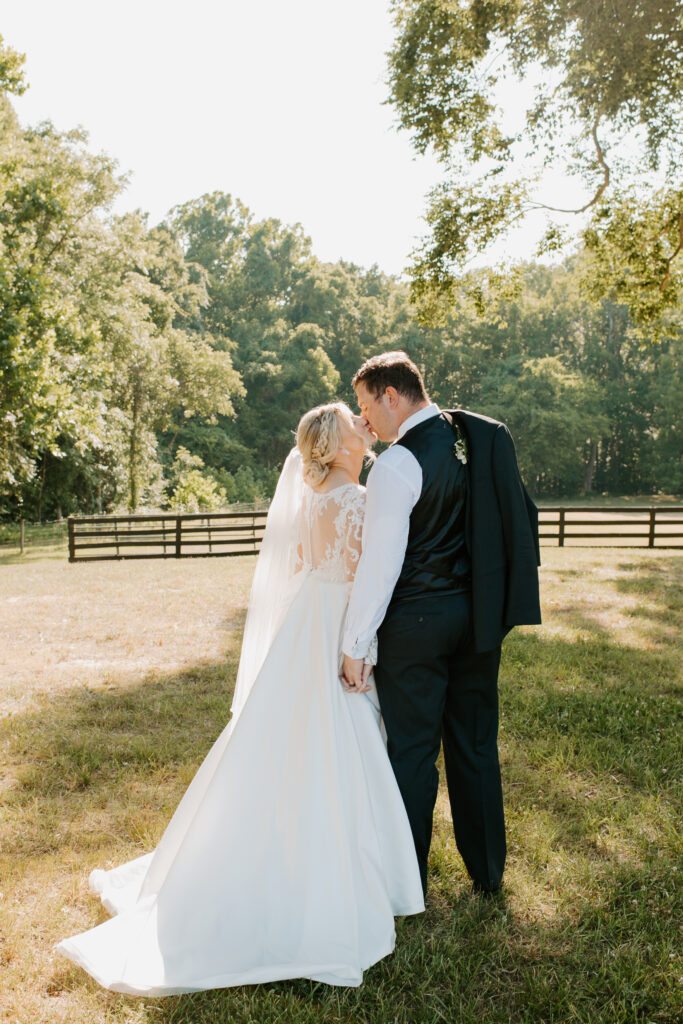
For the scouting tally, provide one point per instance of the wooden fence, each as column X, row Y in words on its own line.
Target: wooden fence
column 642, row 526
column 172, row 535
column 200, row 535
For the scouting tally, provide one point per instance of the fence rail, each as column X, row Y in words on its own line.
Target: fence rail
column 222, row 534
column 648, row 526
column 173, row 535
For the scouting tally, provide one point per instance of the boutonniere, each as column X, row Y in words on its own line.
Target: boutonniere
column 460, row 446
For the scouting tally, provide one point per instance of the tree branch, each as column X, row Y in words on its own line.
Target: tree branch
column 63, row 237
column 674, row 254
column 602, row 186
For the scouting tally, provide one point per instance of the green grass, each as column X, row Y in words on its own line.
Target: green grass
column 588, row 929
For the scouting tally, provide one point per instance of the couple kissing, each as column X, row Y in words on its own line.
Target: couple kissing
column 373, row 636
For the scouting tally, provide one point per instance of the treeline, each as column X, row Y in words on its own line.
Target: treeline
column 168, row 366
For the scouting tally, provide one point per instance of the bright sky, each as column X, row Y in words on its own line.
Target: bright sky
column 278, row 102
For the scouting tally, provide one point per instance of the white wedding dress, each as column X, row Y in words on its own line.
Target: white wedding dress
column 290, row 853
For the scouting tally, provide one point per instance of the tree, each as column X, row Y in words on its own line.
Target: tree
column 158, row 371
column 138, row 361
column 51, row 189
column 553, row 415
column 193, row 489
column 607, row 108
column 664, row 451
column 591, row 407
column 255, row 274
column 11, row 74
column 99, row 349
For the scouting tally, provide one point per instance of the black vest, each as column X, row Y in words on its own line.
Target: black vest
column 437, row 559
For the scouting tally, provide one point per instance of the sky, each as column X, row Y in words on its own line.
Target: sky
column 278, row 102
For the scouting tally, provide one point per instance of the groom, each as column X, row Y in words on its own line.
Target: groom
column 449, row 565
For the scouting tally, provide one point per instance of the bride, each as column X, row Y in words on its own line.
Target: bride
column 290, row 853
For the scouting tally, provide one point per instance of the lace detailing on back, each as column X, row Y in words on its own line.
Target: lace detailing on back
column 331, row 530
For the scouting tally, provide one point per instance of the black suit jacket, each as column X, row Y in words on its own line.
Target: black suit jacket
column 502, row 531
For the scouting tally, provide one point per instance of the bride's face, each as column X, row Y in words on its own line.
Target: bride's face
column 356, row 433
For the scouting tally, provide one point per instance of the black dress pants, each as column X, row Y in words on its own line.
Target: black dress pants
column 433, row 687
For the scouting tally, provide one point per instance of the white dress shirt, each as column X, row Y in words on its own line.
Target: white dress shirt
column 393, row 487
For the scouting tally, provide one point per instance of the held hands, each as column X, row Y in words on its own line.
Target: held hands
column 354, row 675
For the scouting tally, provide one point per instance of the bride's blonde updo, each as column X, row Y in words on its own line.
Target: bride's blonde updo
column 318, row 438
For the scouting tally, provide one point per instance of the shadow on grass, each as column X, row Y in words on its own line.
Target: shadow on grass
column 612, row 708
column 590, row 742
column 589, row 707
column 659, row 581
column 661, row 585
column 79, row 752
column 479, row 963
column 581, row 621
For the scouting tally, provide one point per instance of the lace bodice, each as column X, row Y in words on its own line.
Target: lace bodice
column 330, row 532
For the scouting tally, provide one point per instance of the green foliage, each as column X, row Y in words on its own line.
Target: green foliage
column 665, row 401
column 606, row 109
column 98, row 349
column 630, row 249
column 193, row 490
column 572, row 379
column 159, row 370
column 296, row 329
column 50, row 191
column 11, row 73
column 125, row 350
column 553, row 414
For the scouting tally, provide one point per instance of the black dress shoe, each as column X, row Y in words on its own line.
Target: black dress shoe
column 479, row 889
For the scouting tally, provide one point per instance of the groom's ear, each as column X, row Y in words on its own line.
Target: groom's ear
column 393, row 396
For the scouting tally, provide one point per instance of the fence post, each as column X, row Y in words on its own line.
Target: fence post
column 72, row 539
column 651, row 535
column 560, row 536
column 21, row 536
column 178, row 535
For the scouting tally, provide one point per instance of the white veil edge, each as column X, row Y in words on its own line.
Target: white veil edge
column 275, row 582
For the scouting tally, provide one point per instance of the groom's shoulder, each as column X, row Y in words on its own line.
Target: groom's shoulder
column 396, row 460
column 394, row 457
column 475, row 420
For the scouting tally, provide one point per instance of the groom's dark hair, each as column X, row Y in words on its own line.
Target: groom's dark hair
column 395, row 370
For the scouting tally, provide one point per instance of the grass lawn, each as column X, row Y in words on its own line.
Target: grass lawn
column 115, row 678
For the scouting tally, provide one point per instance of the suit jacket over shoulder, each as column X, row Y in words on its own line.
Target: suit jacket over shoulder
column 502, row 530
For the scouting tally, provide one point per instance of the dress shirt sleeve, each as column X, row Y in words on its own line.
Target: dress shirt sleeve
column 393, row 487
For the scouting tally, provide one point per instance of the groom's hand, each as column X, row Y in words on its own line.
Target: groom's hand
column 355, row 674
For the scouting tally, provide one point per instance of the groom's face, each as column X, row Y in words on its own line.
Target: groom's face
column 378, row 412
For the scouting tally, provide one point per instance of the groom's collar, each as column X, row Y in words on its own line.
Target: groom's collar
column 418, row 417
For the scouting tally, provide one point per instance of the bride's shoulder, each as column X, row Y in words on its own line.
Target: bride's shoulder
column 340, row 492
column 351, row 496
column 352, row 492
column 357, row 496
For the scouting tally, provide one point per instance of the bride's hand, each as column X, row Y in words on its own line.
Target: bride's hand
column 355, row 674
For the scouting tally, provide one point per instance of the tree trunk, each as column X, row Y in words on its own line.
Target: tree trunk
column 132, row 458
column 589, row 468
column 42, row 487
